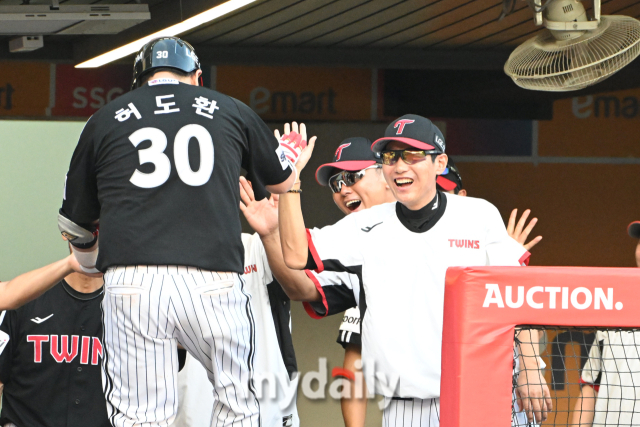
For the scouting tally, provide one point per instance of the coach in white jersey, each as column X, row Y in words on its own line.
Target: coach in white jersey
column 610, row 381
column 352, row 192
column 401, row 252
column 275, row 368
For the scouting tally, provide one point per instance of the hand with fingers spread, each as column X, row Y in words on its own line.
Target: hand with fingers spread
column 261, row 215
column 294, row 143
column 519, row 232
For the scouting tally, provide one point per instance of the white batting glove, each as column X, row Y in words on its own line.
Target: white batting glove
column 292, row 144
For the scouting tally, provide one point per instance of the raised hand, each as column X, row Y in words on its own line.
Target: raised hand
column 519, row 232
column 294, row 143
column 261, row 215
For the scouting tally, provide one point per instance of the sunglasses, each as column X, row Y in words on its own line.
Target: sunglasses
column 347, row 178
column 410, row 157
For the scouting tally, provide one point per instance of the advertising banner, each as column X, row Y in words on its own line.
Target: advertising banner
column 24, row 89
column 300, row 93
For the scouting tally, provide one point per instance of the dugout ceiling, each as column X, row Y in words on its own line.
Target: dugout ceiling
column 453, row 50
column 434, row 34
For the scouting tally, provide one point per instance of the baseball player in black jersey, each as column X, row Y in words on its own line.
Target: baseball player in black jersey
column 158, row 170
column 51, row 350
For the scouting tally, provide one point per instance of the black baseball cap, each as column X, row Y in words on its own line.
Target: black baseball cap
column 353, row 154
column 417, row 131
column 634, row 229
column 450, row 179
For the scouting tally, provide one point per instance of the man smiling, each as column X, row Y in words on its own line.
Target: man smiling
column 400, row 252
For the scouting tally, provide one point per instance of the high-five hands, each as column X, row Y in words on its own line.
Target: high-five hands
column 294, row 143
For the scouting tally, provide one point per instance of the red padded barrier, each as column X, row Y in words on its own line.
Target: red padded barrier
column 479, row 322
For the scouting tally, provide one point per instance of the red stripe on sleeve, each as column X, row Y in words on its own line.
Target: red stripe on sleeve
column 314, row 253
column 596, row 387
column 524, row 259
column 307, row 307
column 343, row 373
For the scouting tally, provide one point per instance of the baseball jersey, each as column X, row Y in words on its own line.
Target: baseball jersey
column 50, row 365
column 402, row 275
column 274, row 362
column 614, row 366
column 159, row 168
column 349, row 331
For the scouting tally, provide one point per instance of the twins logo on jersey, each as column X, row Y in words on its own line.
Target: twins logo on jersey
column 462, row 243
column 250, row 269
column 61, row 351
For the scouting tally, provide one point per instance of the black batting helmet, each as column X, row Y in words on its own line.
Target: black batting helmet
column 165, row 52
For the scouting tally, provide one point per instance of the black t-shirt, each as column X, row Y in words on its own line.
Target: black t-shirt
column 50, row 367
column 159, row 167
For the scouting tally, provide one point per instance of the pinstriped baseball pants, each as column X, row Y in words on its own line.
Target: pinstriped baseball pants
column 147, row 311
column 411, row 413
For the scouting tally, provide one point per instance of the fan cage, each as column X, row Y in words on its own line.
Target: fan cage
column 543, row 63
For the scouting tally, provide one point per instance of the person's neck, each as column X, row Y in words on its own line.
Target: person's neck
column 424, row 201
column 84, row 284
column 169, row 75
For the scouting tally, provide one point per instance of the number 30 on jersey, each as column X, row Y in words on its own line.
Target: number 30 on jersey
column 155, row 154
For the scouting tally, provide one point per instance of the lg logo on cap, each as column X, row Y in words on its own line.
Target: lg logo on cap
column 400, row 124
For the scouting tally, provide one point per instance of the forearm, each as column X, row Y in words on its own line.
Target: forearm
column 284, row 186
column 354, row 405
column 293, row 235
column 529, row 348
column 31, row 285
column 583, row 411
column 295, row 283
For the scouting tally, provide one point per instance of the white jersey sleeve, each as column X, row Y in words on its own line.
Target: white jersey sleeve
column 502, row 250
column 592, row 369
column 332, row 247
column 339, row 292
column 349, row 332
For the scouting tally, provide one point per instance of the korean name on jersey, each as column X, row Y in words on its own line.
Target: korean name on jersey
column 159, row 168
column 402, row 277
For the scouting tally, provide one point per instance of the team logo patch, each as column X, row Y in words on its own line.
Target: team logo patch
column 39, row 320
column 287, row 421
column 284, row 163
column 400, row 124
column 439, row 141
column 339, row 151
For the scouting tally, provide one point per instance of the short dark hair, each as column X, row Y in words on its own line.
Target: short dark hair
column 171, row 70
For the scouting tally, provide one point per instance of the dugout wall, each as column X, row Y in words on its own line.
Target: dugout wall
column 482, row 307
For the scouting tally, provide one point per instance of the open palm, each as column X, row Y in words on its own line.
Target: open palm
column 261, row 215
